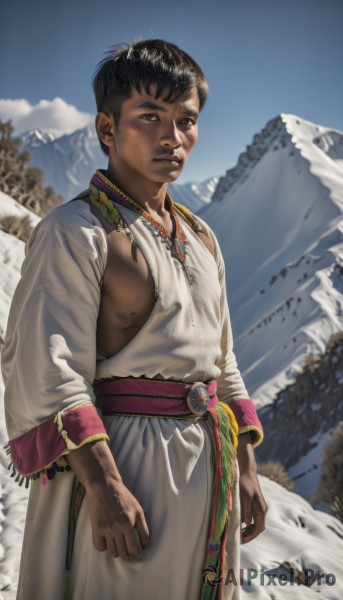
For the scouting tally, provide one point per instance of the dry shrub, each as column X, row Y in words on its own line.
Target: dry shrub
column 19, row 227
column 311, row 362
column 336, row 339
column 23, row 183
column 330, row 489
column 276, row 472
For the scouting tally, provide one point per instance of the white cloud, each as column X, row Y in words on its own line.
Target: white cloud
column 55, row 116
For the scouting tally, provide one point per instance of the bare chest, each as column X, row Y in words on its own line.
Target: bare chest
column 128, row 295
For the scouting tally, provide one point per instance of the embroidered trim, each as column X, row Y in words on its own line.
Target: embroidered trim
column 256, row 439
column 247, row 418
column 188, row 216
column 40, row 452
column 46, row 473
column 109, row 211
column 104, row 194
column 58, row 466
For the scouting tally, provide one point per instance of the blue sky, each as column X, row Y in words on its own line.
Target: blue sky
column 261, row 57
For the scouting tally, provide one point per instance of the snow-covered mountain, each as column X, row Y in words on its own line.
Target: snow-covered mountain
column 285, row 197
column 297, row 536
column 69, row 161
column 194, row 195
column 278, row 217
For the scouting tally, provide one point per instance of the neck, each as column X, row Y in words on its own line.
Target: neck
column 149, row 195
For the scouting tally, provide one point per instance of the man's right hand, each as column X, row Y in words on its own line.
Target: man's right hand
column 117, row 519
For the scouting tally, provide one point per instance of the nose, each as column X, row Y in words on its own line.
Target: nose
column 170, row 135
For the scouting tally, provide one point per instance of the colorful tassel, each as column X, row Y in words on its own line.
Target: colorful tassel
column 224, row 432
column 45, row 474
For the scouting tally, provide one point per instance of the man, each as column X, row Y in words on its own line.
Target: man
column 118, row 338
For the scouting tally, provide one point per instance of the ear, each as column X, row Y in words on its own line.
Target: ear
column 104, row 125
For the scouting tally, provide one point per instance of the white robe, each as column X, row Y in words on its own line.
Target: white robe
column 49, row 364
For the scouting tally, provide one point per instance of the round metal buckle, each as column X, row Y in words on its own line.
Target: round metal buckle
column 198, row 399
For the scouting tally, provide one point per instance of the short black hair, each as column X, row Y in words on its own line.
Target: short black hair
column 139, row 66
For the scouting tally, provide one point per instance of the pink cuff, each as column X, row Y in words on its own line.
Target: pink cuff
column 247, row 419
column 44, row 444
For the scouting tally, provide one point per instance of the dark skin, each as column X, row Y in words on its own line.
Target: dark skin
column 253, row 505
column 148, row 148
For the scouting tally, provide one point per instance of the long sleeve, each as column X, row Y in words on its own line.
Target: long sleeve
column 231, row 388
column 49, row 356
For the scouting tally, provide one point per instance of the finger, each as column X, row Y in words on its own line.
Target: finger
column 259, row 523
column 121, row 546
column 132, row 542
column 246, row 517
column 112, row 548
column 250, row 532
column 142, row 531
column 247, row 534
column 99, row 542
column 246, row 509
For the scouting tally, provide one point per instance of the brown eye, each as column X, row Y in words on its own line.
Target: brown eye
column 149, row 117
column 188, row 121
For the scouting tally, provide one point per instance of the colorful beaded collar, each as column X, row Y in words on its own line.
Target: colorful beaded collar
column 104, row 195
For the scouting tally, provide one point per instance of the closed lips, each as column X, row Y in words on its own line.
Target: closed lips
column 170, row 158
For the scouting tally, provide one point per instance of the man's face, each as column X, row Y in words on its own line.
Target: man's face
column 153, row 139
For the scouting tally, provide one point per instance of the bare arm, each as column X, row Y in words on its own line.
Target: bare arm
column 253, row 504
column 117, row 519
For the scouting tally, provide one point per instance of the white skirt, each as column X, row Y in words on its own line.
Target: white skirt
column 168, row 465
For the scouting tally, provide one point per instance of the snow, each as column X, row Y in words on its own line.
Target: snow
column 67, row 161
column 281, row 230
column 305, row 474
column 8, row 207
column 193, row 195
column 278, row 218
column 13, row 499
column 297, row 534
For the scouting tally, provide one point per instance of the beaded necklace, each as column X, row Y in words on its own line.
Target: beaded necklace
column 105, row 194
